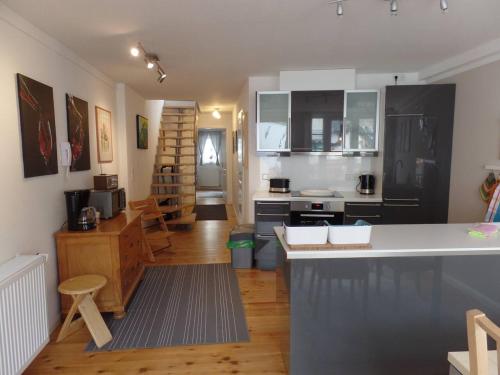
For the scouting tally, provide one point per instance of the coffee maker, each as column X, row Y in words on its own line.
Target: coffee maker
column 366, row 184
column 80, row 217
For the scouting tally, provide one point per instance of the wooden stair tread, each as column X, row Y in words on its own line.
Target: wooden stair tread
column 175, row 164
column 177, row 155
column 170, row 185
column 168, row 196
column 159, row 174
column 189, row 137
column 186, row 219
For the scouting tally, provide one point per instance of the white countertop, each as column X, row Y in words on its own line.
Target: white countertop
column 347, row 196
column 408, row 241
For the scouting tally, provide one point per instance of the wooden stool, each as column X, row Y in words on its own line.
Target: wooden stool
column 83, row 289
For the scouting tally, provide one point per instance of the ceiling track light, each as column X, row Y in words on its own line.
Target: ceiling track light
column 340, row 6
column 151, row 60
column 394, row 7
column 443, row 4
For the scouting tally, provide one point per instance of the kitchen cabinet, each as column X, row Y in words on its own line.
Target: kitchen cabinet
column 361, row 121
column 273, row 121
column 316, row 124
column 267, row 216
column 370, row 212
column 417, row 153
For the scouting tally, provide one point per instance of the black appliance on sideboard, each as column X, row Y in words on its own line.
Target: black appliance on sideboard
column 106, row 182
column 80, row 216
column 417, row 153
column 108, row 202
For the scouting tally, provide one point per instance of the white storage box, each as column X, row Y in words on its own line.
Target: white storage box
column 306, row 235
column 349, row 234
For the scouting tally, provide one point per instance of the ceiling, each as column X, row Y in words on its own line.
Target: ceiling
column 209, row 47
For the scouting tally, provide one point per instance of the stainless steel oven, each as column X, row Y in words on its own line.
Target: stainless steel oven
column 306, row 213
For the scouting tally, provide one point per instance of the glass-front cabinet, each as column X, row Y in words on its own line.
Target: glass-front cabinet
column 273, row 121
column 361, row 121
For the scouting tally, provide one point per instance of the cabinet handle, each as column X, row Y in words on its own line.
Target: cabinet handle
column 401, row 199
column 365, row 216
column 273, row 203
column 273, row 215
column 401, row 205
column 264, row 236
column 407, row 115
column 316, row 215
column 364, row 204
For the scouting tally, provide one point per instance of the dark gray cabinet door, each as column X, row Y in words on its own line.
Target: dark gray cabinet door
column 417, row 153
column 370, row 212
column 317, row 121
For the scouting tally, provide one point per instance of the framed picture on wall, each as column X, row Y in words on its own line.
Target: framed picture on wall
column 104, row 135
column 77, row 111
column 38, row 129
column 142, row 126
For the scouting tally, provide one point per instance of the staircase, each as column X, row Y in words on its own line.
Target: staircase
column 174, row 177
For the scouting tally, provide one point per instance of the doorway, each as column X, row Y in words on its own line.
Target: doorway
column 211, row 182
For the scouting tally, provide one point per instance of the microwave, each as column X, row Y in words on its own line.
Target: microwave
column 106, row 182
column 108, row 202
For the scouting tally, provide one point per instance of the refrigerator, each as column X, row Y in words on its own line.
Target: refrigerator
column 418, row 140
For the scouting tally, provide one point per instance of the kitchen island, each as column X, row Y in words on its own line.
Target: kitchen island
column 395, row 308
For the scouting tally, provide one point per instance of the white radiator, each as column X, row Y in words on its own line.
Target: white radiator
column 23, row 312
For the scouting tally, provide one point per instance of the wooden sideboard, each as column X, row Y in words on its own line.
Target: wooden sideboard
column 113, row 250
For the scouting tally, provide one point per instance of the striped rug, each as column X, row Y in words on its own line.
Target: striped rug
column 181, row 305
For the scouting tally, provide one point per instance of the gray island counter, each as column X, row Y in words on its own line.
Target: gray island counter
column 396, row 308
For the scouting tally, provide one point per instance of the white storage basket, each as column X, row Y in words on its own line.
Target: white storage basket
column 349, row 234
column 317, row 235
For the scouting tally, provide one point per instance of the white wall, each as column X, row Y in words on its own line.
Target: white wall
column 476, row 139
column 139, row 162
column 34, row 208
column 207, row 121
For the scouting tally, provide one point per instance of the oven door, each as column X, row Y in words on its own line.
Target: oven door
column 311, row 218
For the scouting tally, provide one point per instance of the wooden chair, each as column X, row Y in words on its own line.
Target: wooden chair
column 155, row 237
column 478, row 360
column 83, row 289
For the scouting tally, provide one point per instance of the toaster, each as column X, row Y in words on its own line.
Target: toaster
column 279, row 185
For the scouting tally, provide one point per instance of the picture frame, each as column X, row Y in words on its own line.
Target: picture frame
column 38, row 128
column 142, row 131
column 77, row 112
column 104, row 134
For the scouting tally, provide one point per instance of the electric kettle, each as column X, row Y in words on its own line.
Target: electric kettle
column 87, row 218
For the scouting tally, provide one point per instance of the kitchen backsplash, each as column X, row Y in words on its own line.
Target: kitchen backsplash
column 311, row 171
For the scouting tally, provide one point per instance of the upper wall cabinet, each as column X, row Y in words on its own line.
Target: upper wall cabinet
column 273, row 121
column 317, row 121
column 361, row 121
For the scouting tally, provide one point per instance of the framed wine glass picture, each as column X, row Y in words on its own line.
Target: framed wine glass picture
column 38, row 129
column 104, row 135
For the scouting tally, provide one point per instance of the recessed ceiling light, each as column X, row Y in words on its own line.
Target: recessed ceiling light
column 216, row 114
column 134, row 51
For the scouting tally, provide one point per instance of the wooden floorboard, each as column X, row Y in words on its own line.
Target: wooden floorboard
column 205, row 243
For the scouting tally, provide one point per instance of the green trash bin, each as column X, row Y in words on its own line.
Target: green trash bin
column 241, row 243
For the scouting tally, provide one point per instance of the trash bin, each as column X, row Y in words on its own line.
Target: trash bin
column 241, row 242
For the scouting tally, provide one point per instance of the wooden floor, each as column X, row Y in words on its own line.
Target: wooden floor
column 205, row 243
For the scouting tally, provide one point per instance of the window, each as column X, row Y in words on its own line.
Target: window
column 317, row 134
column 209, row 156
